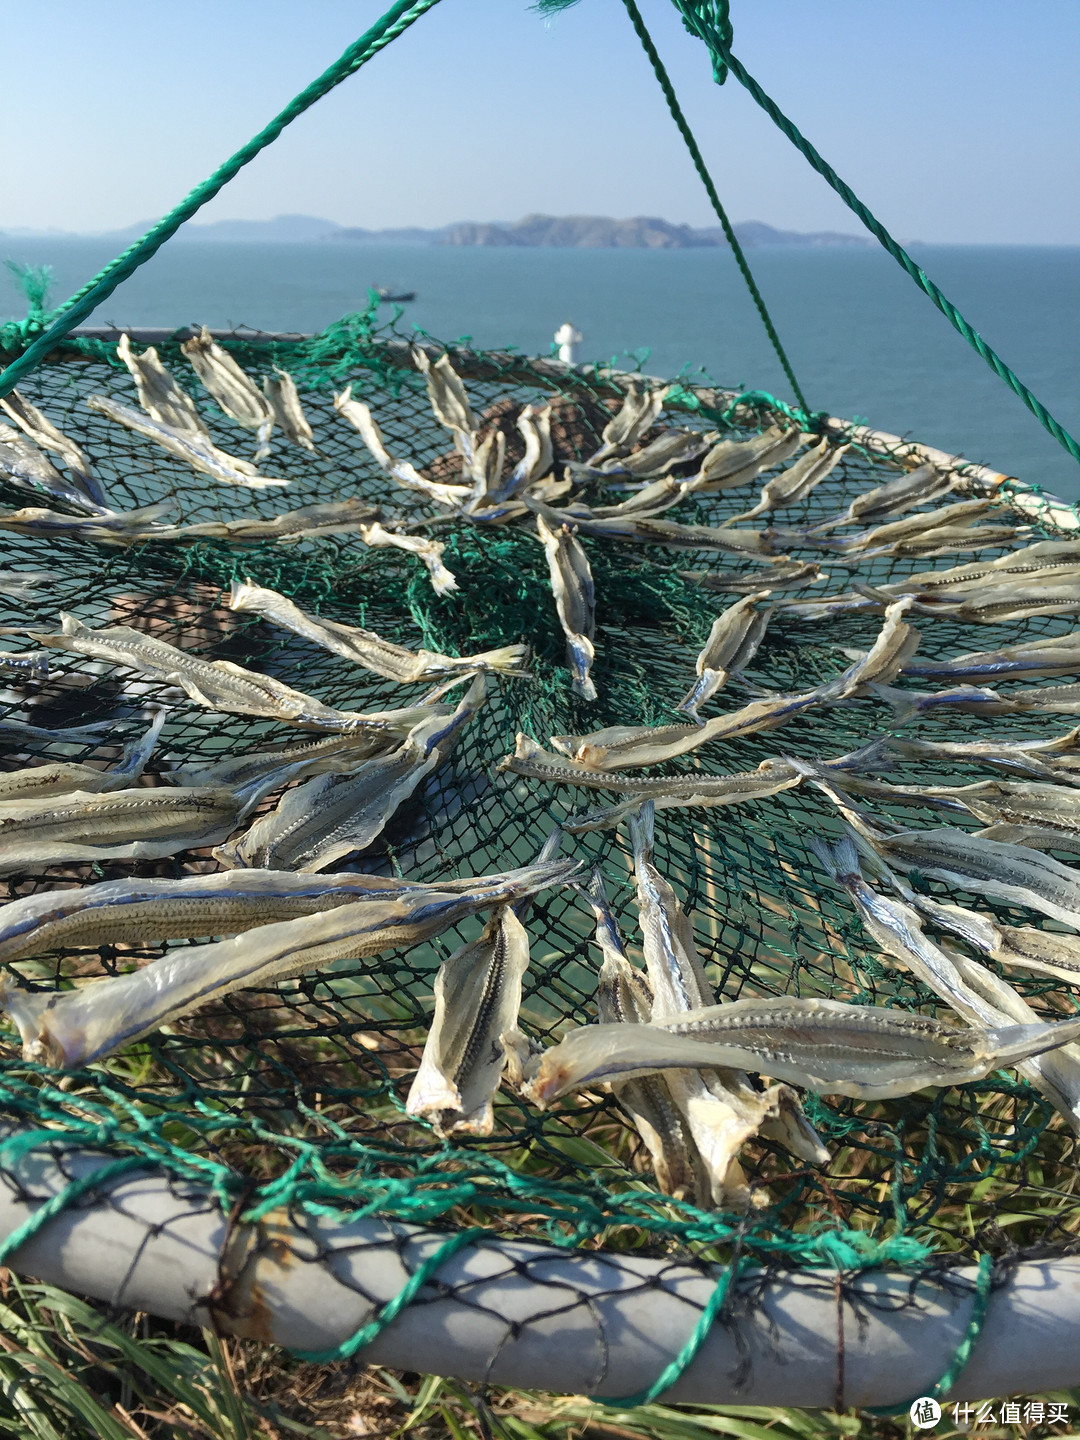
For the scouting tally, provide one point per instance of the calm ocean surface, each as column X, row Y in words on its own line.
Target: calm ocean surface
column 863, row 340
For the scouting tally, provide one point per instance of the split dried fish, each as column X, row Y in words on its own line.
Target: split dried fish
column 18, row 730
column 1043, row 559
column 403, row 471
column 72, row 1028
column 160, row 395
column 194, row 446
column 284, row 400
column 638, row 413
column 977, row 996
column 915, row 487
column 1056, row 759
column 40, row 429
column 26, row 467
column 110, row 528
column 624, row 997
column 332, row 816
column 138, row 824
column 792, row 486
column 61, row 776
column 214, row 684
column 624, row 747
column 1039, row 700
column 474, row 1028
column 734, row 640
column 449, row 400
column 21, row 584
column 971, row 863
column 233, row 389
column 227, row 903
column 336, row 517
column 732, row 463
column 428, row 552
column 364, row 647
column 781, row 575
column 1047, row 952
column 572, row 587
column 1032, row 659
column 721, row 1107
column 827, row 1046
column 673, row 447
column 534, row 427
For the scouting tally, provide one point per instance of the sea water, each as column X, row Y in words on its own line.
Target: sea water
column 863, row 340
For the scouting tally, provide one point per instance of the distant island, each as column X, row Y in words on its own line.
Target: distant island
column 571, row 232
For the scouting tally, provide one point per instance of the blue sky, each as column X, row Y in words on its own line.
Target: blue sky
column 956, row 120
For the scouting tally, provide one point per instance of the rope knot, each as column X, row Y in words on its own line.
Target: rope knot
column 710, row 21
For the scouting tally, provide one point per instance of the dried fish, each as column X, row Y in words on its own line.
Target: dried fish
column 449, row 400
column 474, row 1028
column 721, row 1107
column 20, row 584
column 534, row 427
column 792, row 486
column 637, row 414
column 40, row 429
column 59, row 777
column 214, row 684
column 335, row 517
column 194, row 446
column 26, row 467
column 226, row 903
column 572, row 586
column 284, row 400
column 332, row 816
column 1032, row 659
column 977, row 996
column 732, row 463
column 673, row 447
column 1057, row 759
column 262, row 771
column 138, row 824
column 734, row 640
column 232, row 388
column 914, row 487
column 624, row 747
column 71, row 1028
column 1041, row 699
column 782, row 574
column 403, row 471
column 429, row 552
column 1045, row 559
column 18, row 730
column 110, row 528
column 972, row 863
column 1047, row 952
column 624, row 997
column 893, row 536
column 828, row 1046
column 163, row 399
column 364, row 647
column 25, row 665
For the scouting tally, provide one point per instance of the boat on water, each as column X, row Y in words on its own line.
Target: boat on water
column 388, row 297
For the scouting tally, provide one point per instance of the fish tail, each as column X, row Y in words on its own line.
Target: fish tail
column 550, row 847
column 904, row 709
column 643, row 832
column 1010, row 1043
column 841, row 859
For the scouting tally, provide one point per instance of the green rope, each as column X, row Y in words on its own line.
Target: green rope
column 714, row 199
column 685, row 1357
column 962, row 1354
column 718, row 42
column 397, row 19
column 364, row 1336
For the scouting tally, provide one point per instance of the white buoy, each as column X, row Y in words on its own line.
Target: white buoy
column 566, row 337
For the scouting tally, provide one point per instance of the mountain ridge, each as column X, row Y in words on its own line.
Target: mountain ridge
column 537, row 231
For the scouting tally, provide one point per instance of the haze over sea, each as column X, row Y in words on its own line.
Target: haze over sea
column 863, row 340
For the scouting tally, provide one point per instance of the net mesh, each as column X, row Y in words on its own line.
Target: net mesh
column 295, row 1094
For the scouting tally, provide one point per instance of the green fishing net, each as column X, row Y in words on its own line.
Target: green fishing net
column 295, row 1094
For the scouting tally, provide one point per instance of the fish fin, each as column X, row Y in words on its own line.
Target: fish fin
column 903, row 709
column 840, row 859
